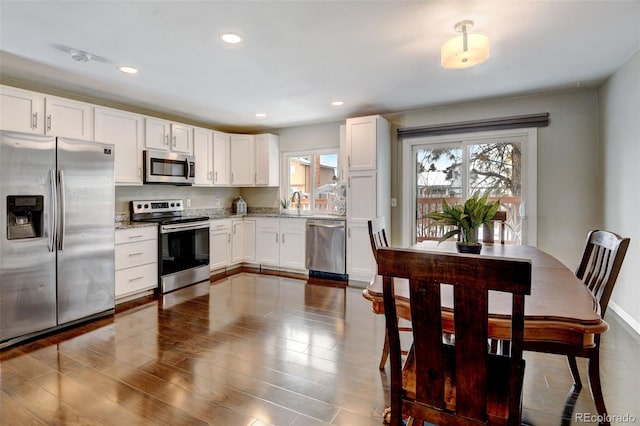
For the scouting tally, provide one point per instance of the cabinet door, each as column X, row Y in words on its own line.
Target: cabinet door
column 249, row 240
column 220, row 244
column 267, row 160
column 182, row 138
column 361, row 265
column 68, row 118
column 268, row 242
column 362, row 195
column 21, row 110
column 221, row 157
column 125, row 130
column 236, row 241
column 203, row 152
column 292, row 243
column 157, row 133
column 242, row 160
column 361, row 143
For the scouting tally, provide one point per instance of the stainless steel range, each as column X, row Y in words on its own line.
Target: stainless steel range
column 183, row 242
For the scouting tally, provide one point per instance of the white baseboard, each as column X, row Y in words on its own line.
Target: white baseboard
column 635, row 325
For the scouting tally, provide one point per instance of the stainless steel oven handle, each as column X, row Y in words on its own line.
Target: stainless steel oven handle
column 165, row 229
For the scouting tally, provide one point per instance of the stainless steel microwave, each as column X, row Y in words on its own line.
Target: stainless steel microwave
column 170, row 168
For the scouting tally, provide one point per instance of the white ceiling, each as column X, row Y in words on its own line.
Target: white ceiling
column 298, row 56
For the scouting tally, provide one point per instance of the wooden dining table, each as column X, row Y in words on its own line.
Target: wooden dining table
column 560, row 308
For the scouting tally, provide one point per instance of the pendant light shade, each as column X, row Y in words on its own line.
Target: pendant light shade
column 466, row 50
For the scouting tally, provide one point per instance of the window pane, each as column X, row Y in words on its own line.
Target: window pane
column 325, row 169
column 496, row 168
column 314, row 176
column 438, row 177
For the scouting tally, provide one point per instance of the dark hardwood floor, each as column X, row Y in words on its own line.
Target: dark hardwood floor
column 255, row 349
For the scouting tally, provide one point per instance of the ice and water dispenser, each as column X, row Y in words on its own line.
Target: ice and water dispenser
column 24, row 216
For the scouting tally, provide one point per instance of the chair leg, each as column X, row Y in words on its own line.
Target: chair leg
column 385, row 351
column 573, row 366
column 593, row 363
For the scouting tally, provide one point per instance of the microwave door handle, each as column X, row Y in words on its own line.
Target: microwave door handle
column 188, row 168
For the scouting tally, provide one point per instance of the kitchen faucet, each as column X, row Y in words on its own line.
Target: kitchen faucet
column 293, row 198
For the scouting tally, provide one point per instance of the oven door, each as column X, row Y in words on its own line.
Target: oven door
column 183, row 247
column 168, row 168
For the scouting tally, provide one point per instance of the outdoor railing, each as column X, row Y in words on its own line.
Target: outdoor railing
column 427, row 205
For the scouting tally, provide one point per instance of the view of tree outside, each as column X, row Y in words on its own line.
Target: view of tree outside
column 444, row 173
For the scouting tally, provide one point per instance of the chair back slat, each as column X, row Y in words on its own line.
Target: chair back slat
column 435, row 392
column 600, row 264
column 377, row 234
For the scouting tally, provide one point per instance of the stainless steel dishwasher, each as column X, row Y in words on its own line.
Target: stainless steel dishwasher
column 325, row 248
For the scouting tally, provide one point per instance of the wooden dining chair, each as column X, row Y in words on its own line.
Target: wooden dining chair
column 461, row 383
column 499, row 219
column 378, row 238
column 599, row 268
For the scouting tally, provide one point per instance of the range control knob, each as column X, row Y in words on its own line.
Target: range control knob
column 177, row 204
column 146, row 206
column 172, row 205
column 139, row 206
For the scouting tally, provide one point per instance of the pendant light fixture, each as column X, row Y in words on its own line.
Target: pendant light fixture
column 466, row 50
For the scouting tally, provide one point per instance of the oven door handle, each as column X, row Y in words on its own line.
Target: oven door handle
column 165, row 229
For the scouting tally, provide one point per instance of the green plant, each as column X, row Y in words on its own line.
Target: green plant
column 284, row 203
column 467, row 217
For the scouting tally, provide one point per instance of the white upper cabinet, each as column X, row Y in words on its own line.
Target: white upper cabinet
column 203, row 152
column 64, row 117
column 36, row 113
column 21, row 110
column 267, row 156
column 125, row 130
column 254, row 160
column 221, row 159
column 242, row 160
column 167, row 136
column 361, row 142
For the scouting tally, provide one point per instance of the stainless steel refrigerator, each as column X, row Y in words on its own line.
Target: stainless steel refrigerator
column 57, row 200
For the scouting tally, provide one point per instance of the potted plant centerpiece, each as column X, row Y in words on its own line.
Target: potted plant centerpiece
column 467, row 219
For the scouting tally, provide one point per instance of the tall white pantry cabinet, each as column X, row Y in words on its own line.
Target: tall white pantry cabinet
column 368, row 163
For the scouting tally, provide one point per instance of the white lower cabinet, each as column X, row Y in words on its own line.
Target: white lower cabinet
column 361, row 265
column 136, row 260
column 219, row 244
column 243, row 241
column 280, row 242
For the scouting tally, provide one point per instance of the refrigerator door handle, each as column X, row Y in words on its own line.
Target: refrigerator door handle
column 53, row 220
column 61, row 221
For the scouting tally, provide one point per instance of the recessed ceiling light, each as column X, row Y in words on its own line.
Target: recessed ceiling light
column 261, row 115
column 231, row 38
column 337, row 103
column 128, row 69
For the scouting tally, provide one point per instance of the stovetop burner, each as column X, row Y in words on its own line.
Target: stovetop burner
column 161, row 211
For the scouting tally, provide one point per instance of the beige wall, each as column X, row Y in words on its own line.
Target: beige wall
column 620, row 162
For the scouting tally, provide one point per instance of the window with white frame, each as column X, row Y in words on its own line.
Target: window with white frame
column 311, row 181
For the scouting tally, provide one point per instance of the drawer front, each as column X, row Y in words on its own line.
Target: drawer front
column 136, row 234
column 136, row 254
column 136, row 279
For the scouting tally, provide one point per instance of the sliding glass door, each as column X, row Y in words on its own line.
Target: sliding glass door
column 453, row 169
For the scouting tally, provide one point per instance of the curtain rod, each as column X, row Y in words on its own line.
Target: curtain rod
column 513, row 122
